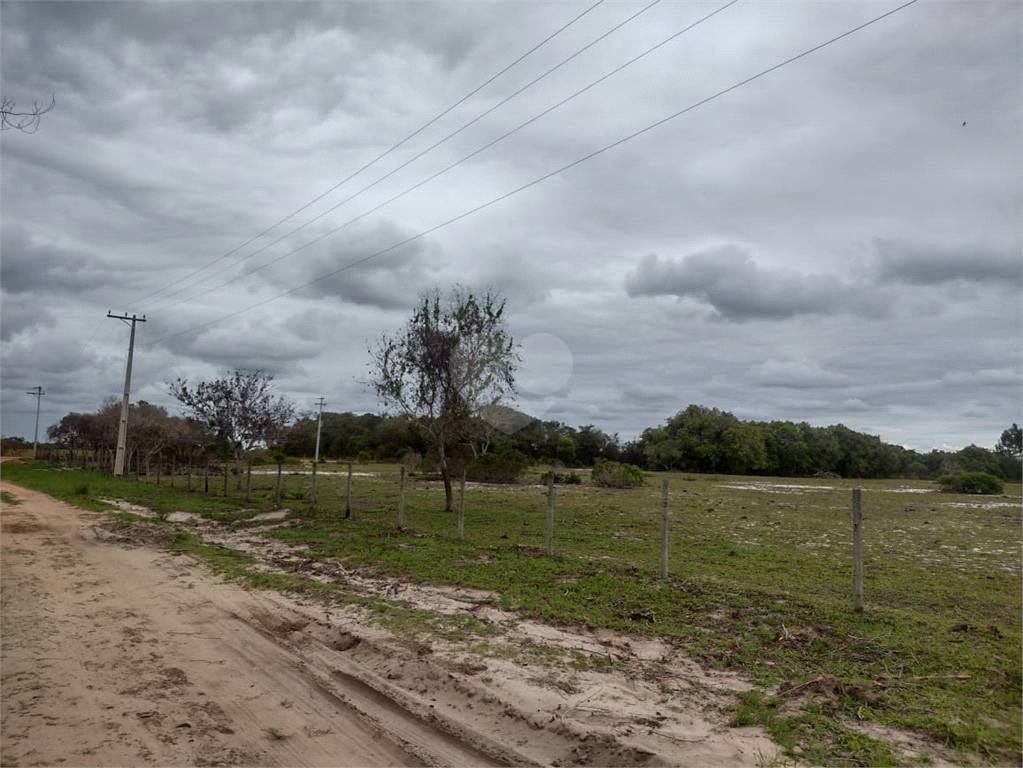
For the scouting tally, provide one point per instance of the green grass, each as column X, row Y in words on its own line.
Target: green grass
column 760, row 582
column 6, row 498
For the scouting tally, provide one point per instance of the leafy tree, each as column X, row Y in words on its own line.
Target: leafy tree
column 1011, row 443
column 592, row 444
column 744, row 449
column 973, row 458
column 453, row 358
column 240, row 410
column 788, row 453
column 565, row 451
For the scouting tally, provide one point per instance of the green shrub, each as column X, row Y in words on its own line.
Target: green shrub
column 569, row 478
column 612, row 474
column 502, row 467
column 970, row 482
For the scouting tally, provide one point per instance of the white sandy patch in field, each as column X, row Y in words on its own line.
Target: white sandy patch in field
column 775, row 487
column 319, row 473
column 981, row 504
column 127, row 506
column 279, row 514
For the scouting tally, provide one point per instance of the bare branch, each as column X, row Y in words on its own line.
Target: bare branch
column 26, row 122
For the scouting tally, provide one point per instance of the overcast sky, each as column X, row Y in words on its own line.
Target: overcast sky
column 837, row 241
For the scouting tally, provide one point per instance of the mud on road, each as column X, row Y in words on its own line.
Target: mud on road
column 116, row 651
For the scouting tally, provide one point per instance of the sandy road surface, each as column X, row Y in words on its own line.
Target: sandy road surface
column 115, row 656
column 117, row 652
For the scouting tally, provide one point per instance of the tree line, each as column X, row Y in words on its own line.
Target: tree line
column 446, row 377
column 698, row 439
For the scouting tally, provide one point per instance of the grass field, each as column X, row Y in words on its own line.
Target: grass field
column 760, row 581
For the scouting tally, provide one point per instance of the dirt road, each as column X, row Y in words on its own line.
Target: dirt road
column 116, row 652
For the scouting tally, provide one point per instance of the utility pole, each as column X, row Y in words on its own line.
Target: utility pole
column 319, row 423
column 122, row 431
column 38, row 392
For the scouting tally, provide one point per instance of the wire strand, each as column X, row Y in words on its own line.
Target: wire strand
column 543, row 178
column 352, row 175
column 453, row 165
column 430, row 148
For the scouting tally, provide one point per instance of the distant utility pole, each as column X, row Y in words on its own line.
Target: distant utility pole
column 122, row 431
column 38, row 392
column 319, row 423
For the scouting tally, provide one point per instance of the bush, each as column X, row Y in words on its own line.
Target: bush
column 970, row 482
column 570, row 478
column 497, row 467
column 612, row 474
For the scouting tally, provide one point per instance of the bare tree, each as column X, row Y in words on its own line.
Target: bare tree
column 453, row 359
column 239, row 409
column 26, row 122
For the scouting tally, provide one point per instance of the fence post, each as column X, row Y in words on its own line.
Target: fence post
column 312, row 499
column 188, row 475
column 206, row 478
column 664, row 529
column 401, row 498
column 857, row 551
column 461, row 508
column 348, row 493
column 225, row 478
column 277, row 498
column 159, row 466
column 173, row 468
column 248, row 481
column 550, row 515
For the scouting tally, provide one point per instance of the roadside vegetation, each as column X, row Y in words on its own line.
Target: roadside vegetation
column 760, row 582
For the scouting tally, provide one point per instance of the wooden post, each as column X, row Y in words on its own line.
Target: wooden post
column 401, row 498
column 188, row 475
column 138, row 463
column 312, row 499
column 206, row 478
column 225, row 478
column 550, row 515
column 461, row 508
column 277, row 498
column 857, row 551
column 159, row 466
column 248, row 480
column 173, row 468
column 664, row 529
column 348, row 493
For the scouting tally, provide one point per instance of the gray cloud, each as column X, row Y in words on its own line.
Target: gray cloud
column 728, row 279
column 899, row 261
column 21, row 312
column 798, row 374
column 867, row 266
column 391, row 280
column 45, row 267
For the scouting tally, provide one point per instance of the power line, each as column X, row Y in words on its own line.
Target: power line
column 441, row 172
column 351, row 176
column 543, row 178
column 433, row 146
